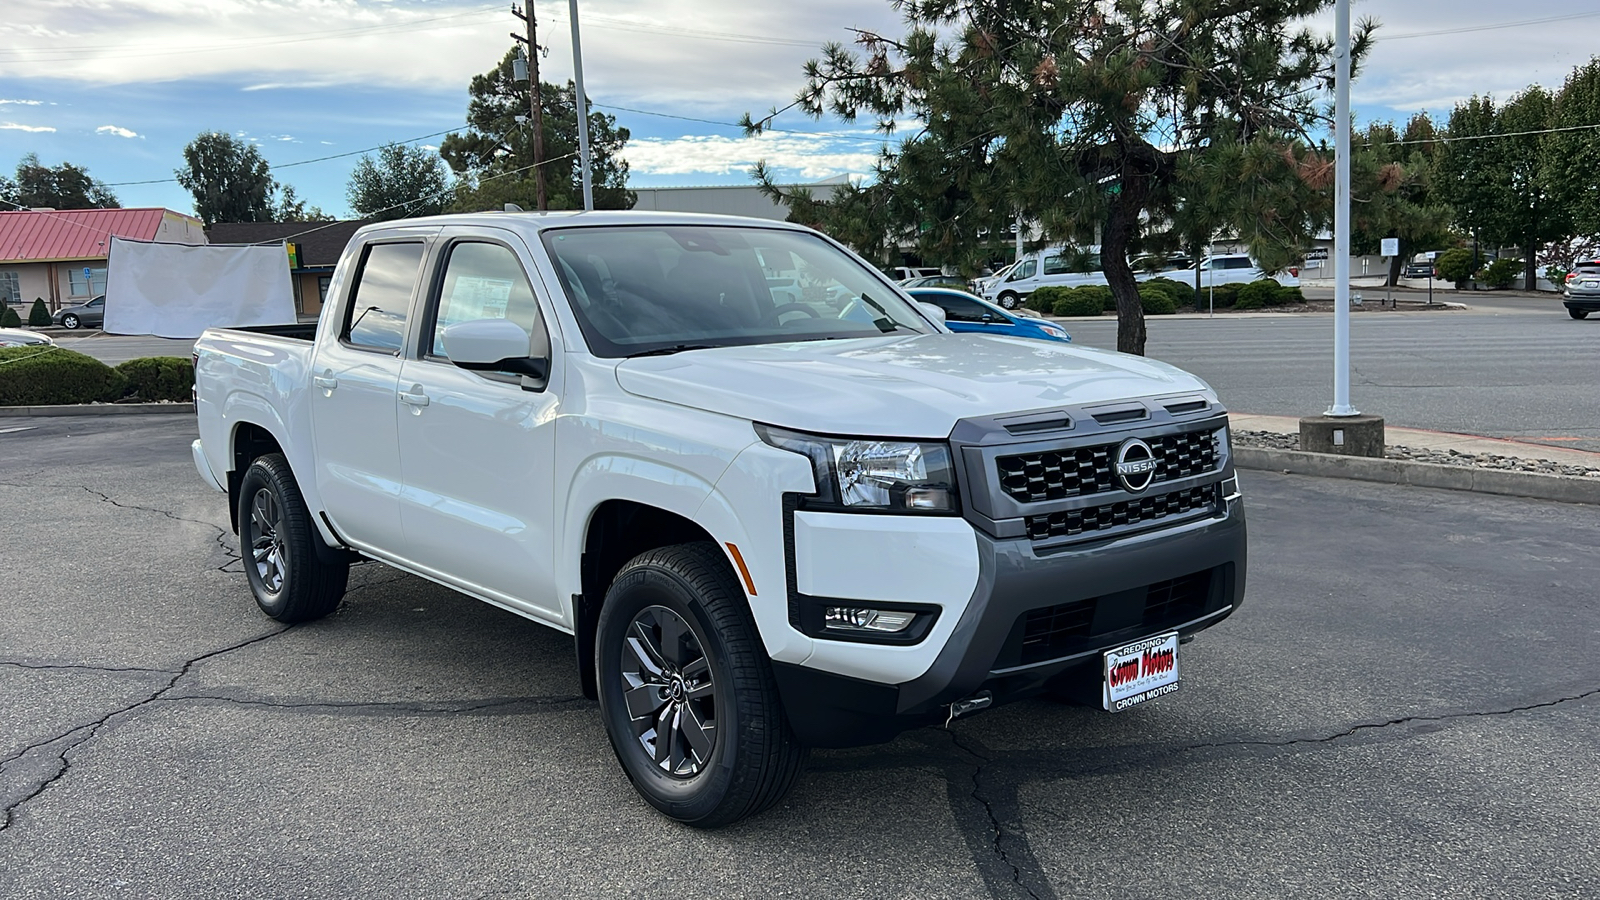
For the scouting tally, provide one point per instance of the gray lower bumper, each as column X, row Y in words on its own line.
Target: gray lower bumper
column 1105, row 593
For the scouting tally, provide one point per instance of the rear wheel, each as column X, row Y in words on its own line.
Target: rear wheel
column 686, row 690
column 1578, row 313
column 1009, row 300
column 291, row 583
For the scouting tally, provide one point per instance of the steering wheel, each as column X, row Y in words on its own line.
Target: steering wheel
column 779, row 310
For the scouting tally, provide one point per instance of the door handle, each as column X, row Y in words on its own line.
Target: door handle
column 326, row 382
column 415, row 397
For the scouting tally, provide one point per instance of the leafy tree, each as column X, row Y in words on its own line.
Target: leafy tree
column 1392, row 192
column 65, row 186
column 401, row 181
column 494, row 158
column 230, row 180
column 1574, row 160
column 290, row 208
column 1080, row 115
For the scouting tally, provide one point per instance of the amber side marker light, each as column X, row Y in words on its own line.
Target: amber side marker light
column 744, row 572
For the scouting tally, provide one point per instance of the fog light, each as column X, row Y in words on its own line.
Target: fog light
column 861, row 619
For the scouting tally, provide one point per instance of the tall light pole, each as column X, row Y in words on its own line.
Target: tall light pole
column 1341, row 215
column 582, row 107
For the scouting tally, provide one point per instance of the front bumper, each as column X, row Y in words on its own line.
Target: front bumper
column 1037, row 615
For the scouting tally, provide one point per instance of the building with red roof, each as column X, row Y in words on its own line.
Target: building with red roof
column 59, row 255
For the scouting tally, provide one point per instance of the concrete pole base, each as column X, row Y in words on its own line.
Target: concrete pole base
column 1347, row 435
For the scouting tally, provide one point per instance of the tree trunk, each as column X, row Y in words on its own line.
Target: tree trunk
column 1121, row 226
column 1530, row 266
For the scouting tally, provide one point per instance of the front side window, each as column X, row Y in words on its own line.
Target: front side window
column 483, row 281
column 1023, row 270
column 381, row 298
column 957, row 308
column 661, row 288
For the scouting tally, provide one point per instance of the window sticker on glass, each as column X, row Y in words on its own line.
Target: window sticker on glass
column 475, row 297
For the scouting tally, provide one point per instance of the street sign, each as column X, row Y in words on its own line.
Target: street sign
column 1391, row 247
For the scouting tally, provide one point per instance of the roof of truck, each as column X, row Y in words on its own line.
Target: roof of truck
column 541, row 221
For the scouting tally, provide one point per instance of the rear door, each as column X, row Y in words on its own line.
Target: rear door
column 353, row 393
column 478, row 448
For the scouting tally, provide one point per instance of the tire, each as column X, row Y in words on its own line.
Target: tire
column 69, row 322
column 1578, row 313
column 290, row 581
column 1009, row 300
column 676, row 638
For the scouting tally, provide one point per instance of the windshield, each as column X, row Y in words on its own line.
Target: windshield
column 639, row 289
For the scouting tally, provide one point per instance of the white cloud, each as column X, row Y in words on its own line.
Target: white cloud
column 813, row 156
column 35, row 129
column 119, row 132
column 22, row 102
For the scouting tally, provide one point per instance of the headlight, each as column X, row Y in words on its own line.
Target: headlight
column 864, row 474
column 1054, row 330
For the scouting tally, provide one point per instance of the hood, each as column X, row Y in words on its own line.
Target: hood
column 912, row 386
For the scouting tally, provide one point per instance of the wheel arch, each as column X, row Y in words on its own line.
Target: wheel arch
column 617, row 531
column 247, row 443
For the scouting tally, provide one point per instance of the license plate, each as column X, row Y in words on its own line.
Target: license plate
column 1589, row 284
column 1143, row 670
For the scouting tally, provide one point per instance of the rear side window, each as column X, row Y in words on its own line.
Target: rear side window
column 376, row 318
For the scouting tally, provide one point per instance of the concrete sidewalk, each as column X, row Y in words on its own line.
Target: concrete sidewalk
column 1434, row 440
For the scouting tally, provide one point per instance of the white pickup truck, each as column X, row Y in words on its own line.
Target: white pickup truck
column 769, row 523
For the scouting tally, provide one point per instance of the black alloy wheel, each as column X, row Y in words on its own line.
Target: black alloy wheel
column 291, row 580
column 687, row 693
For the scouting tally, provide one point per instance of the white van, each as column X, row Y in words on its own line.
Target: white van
column 1044, row 268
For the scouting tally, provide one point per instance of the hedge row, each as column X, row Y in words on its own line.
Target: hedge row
column 50, row 376
column 1159, row 298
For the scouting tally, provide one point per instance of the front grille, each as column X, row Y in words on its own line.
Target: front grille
column 1127, row 512
column 1080, row 471
column 1068, row 628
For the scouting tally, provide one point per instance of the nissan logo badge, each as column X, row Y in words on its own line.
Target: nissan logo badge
column 1136, row 465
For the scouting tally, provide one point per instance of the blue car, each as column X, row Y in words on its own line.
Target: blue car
column 973, row 315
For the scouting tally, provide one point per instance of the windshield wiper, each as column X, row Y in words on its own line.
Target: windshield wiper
column 885, row 324
column 668, row 351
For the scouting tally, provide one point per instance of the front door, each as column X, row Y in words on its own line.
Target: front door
column 353, row 402
column 478, row 448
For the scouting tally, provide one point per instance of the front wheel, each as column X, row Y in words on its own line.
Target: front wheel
column 69, row 321
column 686, row 690
column 1009, row 300
column 291, row 583
column 1578, row 313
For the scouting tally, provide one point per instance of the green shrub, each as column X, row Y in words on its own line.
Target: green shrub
column 1292, row 295
column 158, row 378
column 1501, row 273
column 38, row 315
column 1044, row 299
column 1157, row 300
column 46, row 376
column 9, row 317
column 1454, row 265
column 1099, row 292
column 1182, row 293
column 1076, row 305
column 1260, row 293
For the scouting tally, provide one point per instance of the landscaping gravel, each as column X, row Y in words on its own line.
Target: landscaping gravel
column 1275, row 441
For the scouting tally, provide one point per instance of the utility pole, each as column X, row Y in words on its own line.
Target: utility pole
column 535, row 107
column 581, row 104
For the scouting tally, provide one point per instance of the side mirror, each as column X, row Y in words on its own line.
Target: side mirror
column 933, row 310
column 492, row 345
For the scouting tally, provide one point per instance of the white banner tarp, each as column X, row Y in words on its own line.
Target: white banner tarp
column 180, row 290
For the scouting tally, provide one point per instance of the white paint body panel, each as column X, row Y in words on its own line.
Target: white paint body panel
column 491, row 490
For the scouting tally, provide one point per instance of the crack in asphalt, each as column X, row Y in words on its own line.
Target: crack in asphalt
column 997, row 844
column 92, row 728
column 222, row 535
column 45, row 667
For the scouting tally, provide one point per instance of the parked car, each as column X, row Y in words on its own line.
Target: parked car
column 768, row 525
column 964, row 313
column 930, row 281
column 17, row 337
column 905, row 273
column 1581, row 294
column 980, row 285
column 1233, row 267
column 88, row 315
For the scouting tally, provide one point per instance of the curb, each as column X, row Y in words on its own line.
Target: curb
column 99, row 409
column 1561, row 488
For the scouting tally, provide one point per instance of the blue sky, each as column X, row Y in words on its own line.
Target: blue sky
column 120, row 88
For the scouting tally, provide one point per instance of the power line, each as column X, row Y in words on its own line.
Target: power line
column 305, row 162
column 828, row 134
column 1469, row 28
column 1452, row 139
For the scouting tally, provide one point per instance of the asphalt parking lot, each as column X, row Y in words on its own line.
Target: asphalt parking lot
column 1407, row 705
